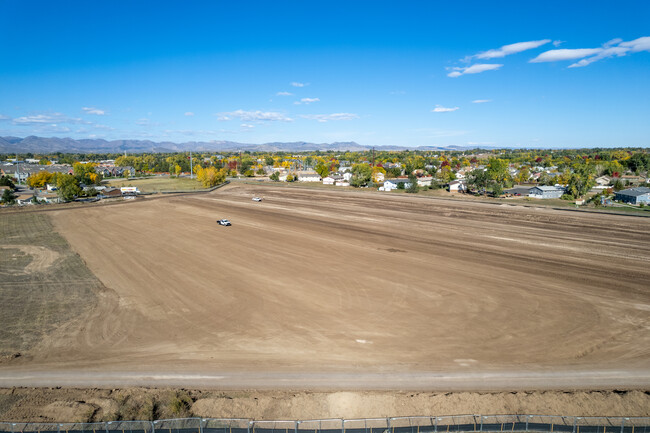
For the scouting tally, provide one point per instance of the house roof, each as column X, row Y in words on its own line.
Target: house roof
column 549, row 188
column 634, row 192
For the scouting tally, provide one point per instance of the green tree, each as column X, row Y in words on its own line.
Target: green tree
column 413, row 184
column 618, row 185
column 8, row 197
column 275, row 177
column 361, row 175
column 478, row 179
column 6, row 181
column 322, row 170
column 67, row 187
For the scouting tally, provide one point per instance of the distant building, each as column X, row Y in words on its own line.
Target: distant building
column 634, row 195
column 546, row 192
column 457, row 186
column 308, row 176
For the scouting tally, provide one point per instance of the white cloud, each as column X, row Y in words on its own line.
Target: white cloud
column 297, row 84
column 481, row 101
column 247, row 125
column 189, row 113
column 637, row 45
column 558, row 43
column 284, row 94
column 334, row 116
column 249, row 116
column 53, row 118
column 307, row 101
column 3, row 117
column 613, row 48
column 441, row 109
column 565, row 54
column 474, row 69
column 607, row 52
column 506, row 50
column 91, row 110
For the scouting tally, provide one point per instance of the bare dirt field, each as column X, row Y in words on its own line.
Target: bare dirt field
column 326, row 289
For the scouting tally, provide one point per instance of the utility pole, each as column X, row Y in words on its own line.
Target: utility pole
column 191, row 168
column 373, row 157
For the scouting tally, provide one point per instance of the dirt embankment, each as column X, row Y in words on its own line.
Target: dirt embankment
column 84, row 405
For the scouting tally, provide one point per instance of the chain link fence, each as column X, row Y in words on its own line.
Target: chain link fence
column 429, row 424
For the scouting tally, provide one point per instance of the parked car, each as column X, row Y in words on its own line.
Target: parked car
column 257, row 198
column 224, row 223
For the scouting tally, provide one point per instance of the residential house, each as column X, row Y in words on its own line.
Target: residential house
column 111, row 193
column 546, row 192
column 457, row 186
column 634, row 195
column 378, row 177
column 603, row 181
column 425, row 180
column 24, row 199
column 392, row 184
column 308, row 176
column 632, row 180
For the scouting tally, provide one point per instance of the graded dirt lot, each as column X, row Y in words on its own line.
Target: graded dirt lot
column 331, row 289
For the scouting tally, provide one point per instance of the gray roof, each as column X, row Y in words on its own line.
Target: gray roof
column 549, row 188
column 634, row 192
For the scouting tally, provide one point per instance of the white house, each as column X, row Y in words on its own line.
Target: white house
column 329, row 180
column 425, row 180
column 308, row 176
column 546, row 192
column 603, row 181
column 457, row 186
column 392, row 184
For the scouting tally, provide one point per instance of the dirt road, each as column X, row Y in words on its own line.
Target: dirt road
column 364, row 286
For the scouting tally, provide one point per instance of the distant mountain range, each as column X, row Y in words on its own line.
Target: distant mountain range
column 45, row 145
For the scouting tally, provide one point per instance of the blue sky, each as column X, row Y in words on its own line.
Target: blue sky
column 426, row 73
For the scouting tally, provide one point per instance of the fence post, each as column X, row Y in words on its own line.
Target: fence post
column 298, row 422
column 527, row 417
column 201, row 425
column 106, row 426
column 248, row 429
column 388, row 424
column 622, row 424
column 342, row 426
column 153, row 428
column 58, row 428
column 481, row 423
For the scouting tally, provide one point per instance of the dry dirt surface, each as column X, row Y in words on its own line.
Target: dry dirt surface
column 339, row 289
column 88, row 405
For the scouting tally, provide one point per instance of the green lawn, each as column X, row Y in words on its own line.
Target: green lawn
column 158, row 184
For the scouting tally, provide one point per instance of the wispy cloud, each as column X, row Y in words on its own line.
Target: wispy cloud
column 564, row 54
column 53, row 118
column 481, row 101
column 558, row 43
column 92, row 110
column 3, row 117
column 247, row 125
column 297, row 84
column 506, row 50
column 307, row 101
column 249, row 116
column 284, row 94
column 334, row 116
column 613, row 48
column 474, row 69
column 441, row 109
column 189, row 113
